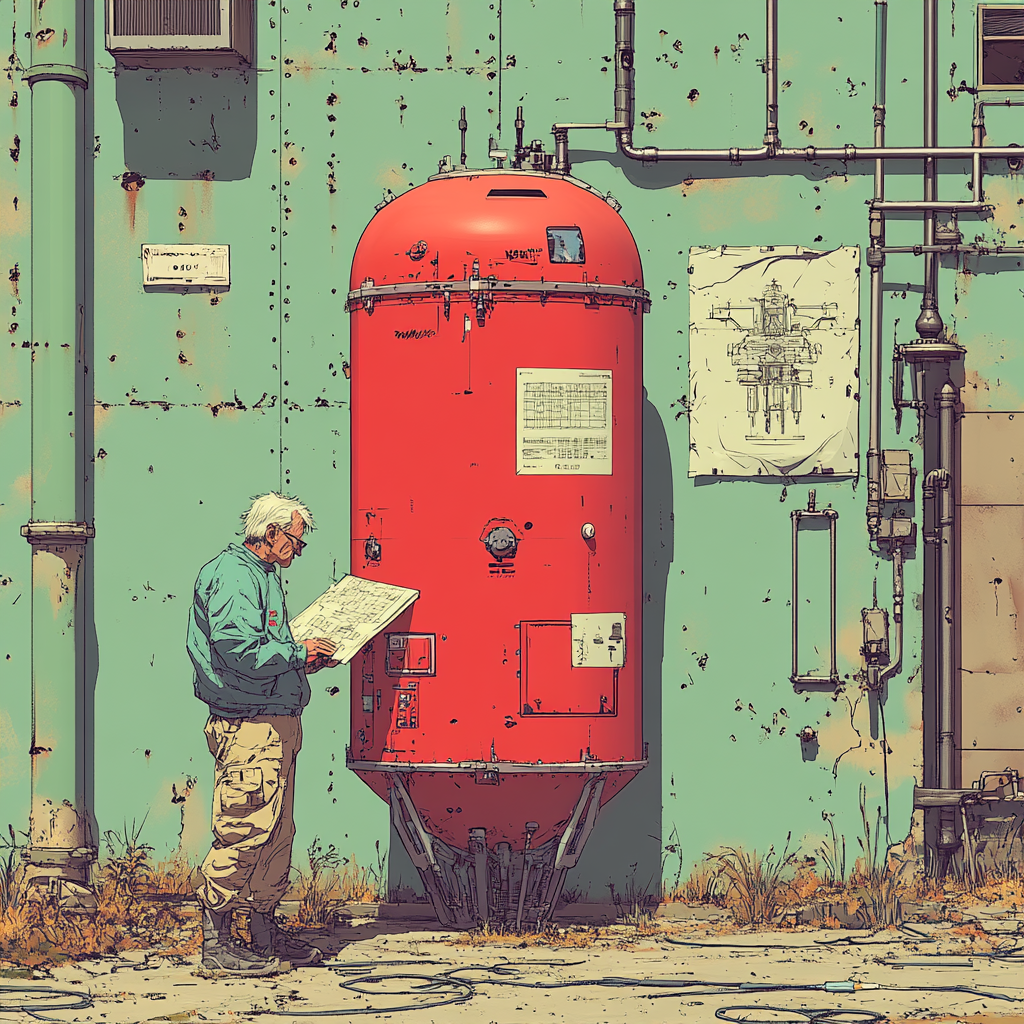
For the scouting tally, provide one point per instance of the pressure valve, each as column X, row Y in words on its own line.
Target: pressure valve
column 501, row 537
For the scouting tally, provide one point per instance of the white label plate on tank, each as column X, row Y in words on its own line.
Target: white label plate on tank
column 599, row 640
column 194, row 265
column 563, row 422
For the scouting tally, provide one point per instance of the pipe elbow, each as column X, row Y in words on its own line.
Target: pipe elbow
column 648, row 154
column 936, row 478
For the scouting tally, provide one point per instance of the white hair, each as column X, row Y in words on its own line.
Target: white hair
column 269, row 510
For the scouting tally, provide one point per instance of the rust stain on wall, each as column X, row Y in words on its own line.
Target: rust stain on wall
column 974, row 393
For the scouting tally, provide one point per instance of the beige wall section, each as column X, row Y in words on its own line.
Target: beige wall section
column 991, row 732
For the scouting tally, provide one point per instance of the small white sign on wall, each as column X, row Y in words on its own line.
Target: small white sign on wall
column 189, row 266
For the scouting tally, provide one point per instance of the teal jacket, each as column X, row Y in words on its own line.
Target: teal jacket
column 246, row 661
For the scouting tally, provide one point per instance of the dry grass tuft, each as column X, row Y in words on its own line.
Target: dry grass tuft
column 756, row 891
column 334, row 880
column 574, row 937
column 704, row 885
column 39, row 931
column 878, row 878
column 550, row 935
column 633, row 905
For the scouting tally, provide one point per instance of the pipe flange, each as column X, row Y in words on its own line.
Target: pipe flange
column 58, row 532
column 57, row 73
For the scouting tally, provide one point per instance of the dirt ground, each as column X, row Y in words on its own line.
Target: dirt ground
column 655, row 978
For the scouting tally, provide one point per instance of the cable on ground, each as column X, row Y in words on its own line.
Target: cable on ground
column 45, row 997
column 827, row 1015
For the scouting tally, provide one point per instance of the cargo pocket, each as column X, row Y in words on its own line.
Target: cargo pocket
column 241, row 790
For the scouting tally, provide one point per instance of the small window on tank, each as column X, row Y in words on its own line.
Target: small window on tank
column 565, row 245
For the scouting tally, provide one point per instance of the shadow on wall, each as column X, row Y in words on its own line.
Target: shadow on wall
column 628, row 830
column 184, row 123
column 625, row 848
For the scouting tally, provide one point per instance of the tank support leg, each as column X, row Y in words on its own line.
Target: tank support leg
column 574, row 838
column 419, row 844
column 478, row 847
column 522, row 889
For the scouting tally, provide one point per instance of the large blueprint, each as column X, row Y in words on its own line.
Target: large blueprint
column 352, row 613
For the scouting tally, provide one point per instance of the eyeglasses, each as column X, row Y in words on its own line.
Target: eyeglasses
column 296, row 542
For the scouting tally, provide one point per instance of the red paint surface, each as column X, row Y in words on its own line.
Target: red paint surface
column 434, row 460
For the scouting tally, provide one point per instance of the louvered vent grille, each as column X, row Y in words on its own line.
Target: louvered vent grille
column 167, row 17
column 1003, row 23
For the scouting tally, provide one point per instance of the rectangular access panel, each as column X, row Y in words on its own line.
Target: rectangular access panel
column 549, row 682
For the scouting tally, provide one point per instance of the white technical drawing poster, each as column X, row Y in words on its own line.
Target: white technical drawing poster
column 563, row 422
column 774, row 346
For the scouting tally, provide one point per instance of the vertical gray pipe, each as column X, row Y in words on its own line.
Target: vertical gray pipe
column 61, row 847
column 771, row 68
column 795, row 517
column 624, row 22
column 946, row 400
column 977, row 139
column 876, row 261
column 929, row 323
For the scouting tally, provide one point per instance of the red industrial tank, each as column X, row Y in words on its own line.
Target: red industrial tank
column 496, row 322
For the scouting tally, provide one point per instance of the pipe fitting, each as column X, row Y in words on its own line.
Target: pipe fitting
column 561, row 162
column 876, row 226
column 937, row 479
column 929, row 324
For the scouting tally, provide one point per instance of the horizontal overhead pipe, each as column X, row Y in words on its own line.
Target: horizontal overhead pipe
column 650, row 154
column 625, row 12
column 930, row 205
column 970, row 250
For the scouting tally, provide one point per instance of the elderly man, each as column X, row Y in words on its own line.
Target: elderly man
column 252, row 674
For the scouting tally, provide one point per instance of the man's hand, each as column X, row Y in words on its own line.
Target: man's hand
column 319, row 649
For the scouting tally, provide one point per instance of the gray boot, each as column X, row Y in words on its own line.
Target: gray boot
column 269, row 940
column 221, row 952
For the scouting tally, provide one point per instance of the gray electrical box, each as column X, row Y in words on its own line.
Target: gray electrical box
column 897, row 528
column 875, row 622
column 897, row 476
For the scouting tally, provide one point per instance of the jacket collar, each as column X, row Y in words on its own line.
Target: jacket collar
column 243, row 552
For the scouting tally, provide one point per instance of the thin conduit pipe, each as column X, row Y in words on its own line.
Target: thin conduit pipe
column 929, row 323
column 771, row 69
column 876, row 260
column 896, row 658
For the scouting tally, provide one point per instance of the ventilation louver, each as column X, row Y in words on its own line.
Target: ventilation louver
column 172, row 33
column 1000, row 46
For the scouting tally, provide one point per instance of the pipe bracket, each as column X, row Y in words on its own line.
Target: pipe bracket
column 57, row 73
column 58, row 532
column 49, row 856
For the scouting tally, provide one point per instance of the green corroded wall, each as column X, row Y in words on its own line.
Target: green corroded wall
column 199, row 401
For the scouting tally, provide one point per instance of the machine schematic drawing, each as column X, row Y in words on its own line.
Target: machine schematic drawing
column 774, row 360
column 503, row 708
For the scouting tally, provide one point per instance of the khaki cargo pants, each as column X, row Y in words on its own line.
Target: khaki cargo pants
column 253, row 825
